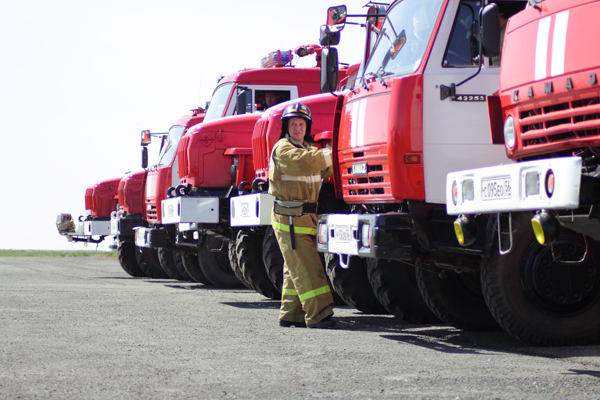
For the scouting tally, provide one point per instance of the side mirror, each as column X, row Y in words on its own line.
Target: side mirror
column 336, row 18
column 329, row 69
column 144, row 157
column 490, row 31
column 206, row 106
column 244, row 102
column 146, row 138
column 327, row 38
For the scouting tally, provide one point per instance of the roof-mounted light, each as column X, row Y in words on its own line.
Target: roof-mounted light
column 277, row 59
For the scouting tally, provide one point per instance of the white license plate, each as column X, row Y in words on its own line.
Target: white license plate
column 499, row 188
column 359, row 168
column 342, row 233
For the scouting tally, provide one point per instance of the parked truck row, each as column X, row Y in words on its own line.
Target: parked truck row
column 444, row 86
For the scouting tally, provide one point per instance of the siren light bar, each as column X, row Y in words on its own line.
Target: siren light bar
column 277, row 59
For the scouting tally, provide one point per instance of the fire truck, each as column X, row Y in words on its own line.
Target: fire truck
column 417, row 112
column 259, row 259
column 540, row 215
column 94, row 227
column 132, row 212
column 213, row 159
column 116, row 206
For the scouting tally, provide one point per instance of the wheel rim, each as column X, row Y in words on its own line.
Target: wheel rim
column 558, row 288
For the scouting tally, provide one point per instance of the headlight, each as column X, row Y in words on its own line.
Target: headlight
column 322, row 233
column 454, row 193
column 509, row 132
column 366, row 235
column 550, row 183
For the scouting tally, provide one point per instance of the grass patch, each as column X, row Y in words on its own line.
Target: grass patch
column 57, row 253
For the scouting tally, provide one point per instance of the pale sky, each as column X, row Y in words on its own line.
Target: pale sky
column 79, row 80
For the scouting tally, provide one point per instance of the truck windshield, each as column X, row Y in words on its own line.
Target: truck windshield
column 169, row 148
column 218, row 103
column 403, row 38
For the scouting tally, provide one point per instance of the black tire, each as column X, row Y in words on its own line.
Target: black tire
column 253, row 270
column 457, row 300
column 178, row 259
column 147, row 259
column 192, row 267
column 273, row 259
column 395, row 286
column 235, row 266
column 352, row 284
column 541, row 301
column 215, row 265
column 167, row 262
column 127, row 259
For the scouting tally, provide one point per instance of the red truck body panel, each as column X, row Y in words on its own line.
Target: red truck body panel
column 549, row 78
column 390, row 138
column 307, row 79
column 205, row 162
column 101, row 199
column 131, row 193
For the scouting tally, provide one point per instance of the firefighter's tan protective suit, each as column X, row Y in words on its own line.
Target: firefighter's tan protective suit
column 295, row 173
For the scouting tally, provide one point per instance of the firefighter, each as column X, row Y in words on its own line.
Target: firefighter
column 296, row 170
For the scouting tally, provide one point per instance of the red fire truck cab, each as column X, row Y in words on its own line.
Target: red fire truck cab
column 540, row 273
column 417, row 111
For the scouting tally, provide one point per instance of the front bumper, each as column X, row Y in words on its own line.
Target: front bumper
column 515, row 187
column 366, row 235
column 177, row 210
column 92, row 231
column 124, row 226
column 251, row 209
column 150, row 237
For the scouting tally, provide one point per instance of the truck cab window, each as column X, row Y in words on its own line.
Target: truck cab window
column 463, row 48
column 269, row 98
column 219, row 102
column 169, row 149
column 251, row 99
column 403, row 39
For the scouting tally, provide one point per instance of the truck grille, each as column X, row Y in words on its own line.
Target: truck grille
column 573, row 121
column 151, row 212
column 259, row 148
column 372, row 186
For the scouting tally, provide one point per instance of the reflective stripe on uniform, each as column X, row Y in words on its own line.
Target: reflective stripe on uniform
column 289, row 292
column 327, row 156
column 314, row 293
column 302, row 178
column 297, row 229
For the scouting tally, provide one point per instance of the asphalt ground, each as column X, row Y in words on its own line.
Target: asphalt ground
column 81, row 328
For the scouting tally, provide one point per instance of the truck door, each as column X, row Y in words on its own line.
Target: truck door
column 456, row 132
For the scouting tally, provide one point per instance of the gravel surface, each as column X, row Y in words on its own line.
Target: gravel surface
column 80, row 328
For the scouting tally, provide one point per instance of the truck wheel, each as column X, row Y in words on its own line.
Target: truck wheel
column 352, row 284
column 273, row 259
column 178, row 259
column 395, row 286
column 457, row 300
column 126, row 253
column 165, row 257
column 235, row 266
column 192, row 267
column 249, row 257
column 147, row 259
column 542, row 301
column 215, row 265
